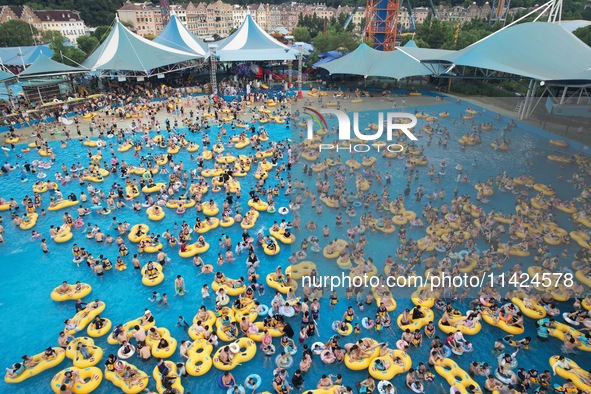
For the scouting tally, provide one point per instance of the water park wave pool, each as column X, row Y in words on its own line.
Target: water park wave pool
column 34, row 320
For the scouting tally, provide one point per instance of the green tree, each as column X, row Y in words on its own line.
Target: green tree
column 301, row 34
column 49, row 35
column 87, row 44
column 332, row 39
column 101, row 33
column 313, row 23
column 584, row 34
column 66, row 54
column 17, row 33
column 435, row 33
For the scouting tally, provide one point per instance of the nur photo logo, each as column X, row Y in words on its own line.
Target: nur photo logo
column 394, row 125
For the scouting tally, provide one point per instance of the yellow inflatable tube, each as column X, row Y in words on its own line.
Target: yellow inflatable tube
column 559, row 330
column 152, row 279
column 570, row 373
column 486, row 315
column 538, row 311
column 63, row 204
column 86, row 315
column 153, row 215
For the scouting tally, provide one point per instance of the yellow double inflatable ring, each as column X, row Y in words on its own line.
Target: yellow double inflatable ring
column 184, row 204
column 453, row 327
column 338, row 247
column 129, row 329
column 330, row 202
column 63, row 204
column 272, row 252
column 559, row 158
column 247, row 349
column 297, row 271
column 274, row 332
column 394, row 368
column 199, row 362
column 351, row 163
column 92, row 377
column 455, row 376
column 113, row 377
column 153, row 189
column 149, row 248
column 73, row 294
column 42, row 365
column 133, row 237
column 416, row 324
column 194, row 249
column 280, row 235
column 227, row 222
column 210, row 210
column 153, row 343
column 95, row 353
column 259, row 206
column 282, row 287
column 94, row 332
column 26, row 225
column 177, row 384
column 124, row 147
column 364, row 363
column 230, row 290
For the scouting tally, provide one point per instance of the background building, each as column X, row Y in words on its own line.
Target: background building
column 67, row 22
column 219, row 18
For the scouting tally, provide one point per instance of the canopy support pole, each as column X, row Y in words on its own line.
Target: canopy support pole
column 563, row 95
column 213, row 70
column 9, row 94
column 524, row 108
column 300, row 63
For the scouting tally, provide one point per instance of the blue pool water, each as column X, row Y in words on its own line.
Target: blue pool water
column 32, row 321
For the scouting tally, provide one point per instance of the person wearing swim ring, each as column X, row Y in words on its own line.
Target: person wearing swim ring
column 349, row 315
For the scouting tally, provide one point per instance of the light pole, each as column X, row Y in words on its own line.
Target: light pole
column 31, row 27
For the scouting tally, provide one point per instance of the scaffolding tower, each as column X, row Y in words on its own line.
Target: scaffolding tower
column 381, row 23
